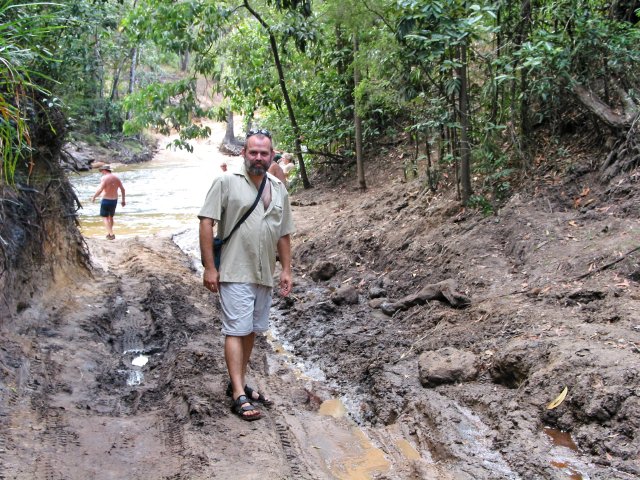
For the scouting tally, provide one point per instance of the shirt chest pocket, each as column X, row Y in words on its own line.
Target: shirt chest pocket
column 275, row 212
column 273, row 217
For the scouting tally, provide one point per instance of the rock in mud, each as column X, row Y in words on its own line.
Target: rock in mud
column 377, row 302
column 447, row 365
column 323, row 270
column 377, row 291
column 345, row 295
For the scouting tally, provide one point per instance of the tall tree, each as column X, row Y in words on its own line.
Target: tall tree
column 285, row 93
column 357, row 120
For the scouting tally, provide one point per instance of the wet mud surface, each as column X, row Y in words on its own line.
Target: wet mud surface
column 376, row 369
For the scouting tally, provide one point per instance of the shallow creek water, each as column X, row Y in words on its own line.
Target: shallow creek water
column 162, row 196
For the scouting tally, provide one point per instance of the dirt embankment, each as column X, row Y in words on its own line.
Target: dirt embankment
column 449, row 381
column 552, row 280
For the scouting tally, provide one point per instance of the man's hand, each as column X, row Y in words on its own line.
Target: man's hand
column 286, row 283
column 211, row 279
column 123, row 203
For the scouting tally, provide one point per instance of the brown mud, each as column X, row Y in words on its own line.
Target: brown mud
column 433, row 388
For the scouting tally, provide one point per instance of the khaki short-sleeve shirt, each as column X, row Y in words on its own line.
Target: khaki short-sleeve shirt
column 249, row 256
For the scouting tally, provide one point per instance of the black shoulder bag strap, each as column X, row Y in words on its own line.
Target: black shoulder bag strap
column 248, row 212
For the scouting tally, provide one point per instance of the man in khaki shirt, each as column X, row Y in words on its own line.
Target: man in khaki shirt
column 245, row 278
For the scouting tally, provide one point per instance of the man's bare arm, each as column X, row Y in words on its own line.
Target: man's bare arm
column 211, row 276
column 98, row 192
column 276, row 171
column 284, row 252
column 122, row 190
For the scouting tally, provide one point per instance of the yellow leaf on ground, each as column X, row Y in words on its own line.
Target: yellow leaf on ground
column 558, row 400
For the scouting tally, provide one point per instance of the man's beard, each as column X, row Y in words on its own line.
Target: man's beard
column 255, row 168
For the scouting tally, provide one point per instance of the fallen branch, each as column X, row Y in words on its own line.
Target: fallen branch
column 443, row 291
column 608, row 265
column 339, row 158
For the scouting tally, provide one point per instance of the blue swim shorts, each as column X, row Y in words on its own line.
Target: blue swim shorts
column 108, row 207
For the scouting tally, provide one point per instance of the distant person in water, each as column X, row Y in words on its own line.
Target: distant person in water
column 109, row 186
column 223, row 166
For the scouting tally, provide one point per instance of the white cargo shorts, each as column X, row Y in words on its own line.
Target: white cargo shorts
column 245, row 308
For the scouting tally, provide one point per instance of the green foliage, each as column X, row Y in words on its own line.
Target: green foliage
column 481, row 203
column 167, row 107
column 247, row 76
column 23, row 31
column 301, row 6
column 191, row 25
column 518, row 65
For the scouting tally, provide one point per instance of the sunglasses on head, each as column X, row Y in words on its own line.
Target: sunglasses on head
column 259, row 131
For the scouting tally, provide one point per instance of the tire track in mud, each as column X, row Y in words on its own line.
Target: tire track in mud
column 171, row 429
column 4, row 425
column 56, row 435
column 290, row 447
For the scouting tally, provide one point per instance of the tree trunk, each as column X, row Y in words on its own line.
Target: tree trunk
column 132, row 74
column 356, row 118
column 184, row 61
column 465, row 149
column 525, row 123
column 519, row 131
column 229, row 135
column 427, row 149
column 285, row 94
column 116, row 81
column 606, row 114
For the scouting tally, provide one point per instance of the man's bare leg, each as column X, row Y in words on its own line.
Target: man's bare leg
column 108, row 224
column 248, row 343
column 247, row 347
column 234, row 355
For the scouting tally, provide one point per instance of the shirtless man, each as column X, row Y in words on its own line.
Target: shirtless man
column 276, row 170
column 109, row 186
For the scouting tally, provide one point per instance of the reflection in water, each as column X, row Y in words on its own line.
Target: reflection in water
column 162, row 196
column 560, row 438
column 573, row 475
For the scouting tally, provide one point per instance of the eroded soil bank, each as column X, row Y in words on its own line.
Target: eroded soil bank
column 436, row 387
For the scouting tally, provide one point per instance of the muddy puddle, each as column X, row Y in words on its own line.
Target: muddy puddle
column 344, row 447
column 564, row 454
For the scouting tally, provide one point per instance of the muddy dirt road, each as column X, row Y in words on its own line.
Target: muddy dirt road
column 443, row 333
column 82, row 402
